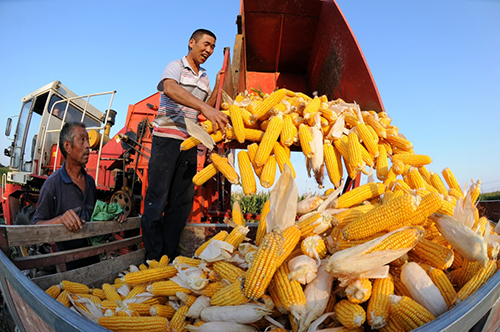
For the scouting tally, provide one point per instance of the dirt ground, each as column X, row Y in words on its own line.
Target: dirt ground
column 490, row 209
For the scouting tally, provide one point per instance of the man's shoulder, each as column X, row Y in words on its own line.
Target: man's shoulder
column 53, row 178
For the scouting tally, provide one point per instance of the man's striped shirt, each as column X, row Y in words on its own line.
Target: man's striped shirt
column 169, row 121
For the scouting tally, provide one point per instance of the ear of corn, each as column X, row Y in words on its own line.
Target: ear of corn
column 305, row 139
column 429, row 204
column 434, row 254
column 479, row 278
column 379, row 305
column 74, row 287
column 289, row 132
column 219, row 236
column 264, row 266
column 413, row 159
column 166, row 288
column 359, row 290
column 290, row 293
column 227, row 170
column 205, row 174
column 150, row 275
column 262, row 228
column 270, row 137
column 409, row 313
column 134, row 323
column 237, row 236
column 345, row 217
column 282, row 158
column 382, row 163
column 237, row 215
column 359, row 194
column 230, row 295
column 354, row 159
column 237, row 122
column 444, row 285
column 111, row 293
column 228, row 271
column 450, row 179
column 381, row 217
column 54, row 291
column 262, row 110
column 290, row 237
column 268, row 174
column 349, row 314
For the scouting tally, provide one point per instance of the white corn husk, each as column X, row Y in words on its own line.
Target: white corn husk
column 198, row 132
column 216, row 251
column 244, row 313
column 221, row 327
column 317, row 160
column 309, row 204
column 328, row 202
column 195, row 309
column 317, row 295
column 350, row 263
column 95, row 312
column 139, row 298
column 123, row 290
column 322, row 223
column 422, row 289
column 314, row 325
column 464, row 211
column 283, row 202
column 133, row 268
column 191, row 277
column 303, row 269
column 337, row 129
column 468, row 243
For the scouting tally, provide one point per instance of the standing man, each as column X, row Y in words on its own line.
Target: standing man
column 68, row 196
column 185, row 93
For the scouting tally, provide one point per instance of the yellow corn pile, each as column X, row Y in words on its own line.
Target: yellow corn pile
column 398, row 216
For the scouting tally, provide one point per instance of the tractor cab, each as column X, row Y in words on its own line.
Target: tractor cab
column 34, row 151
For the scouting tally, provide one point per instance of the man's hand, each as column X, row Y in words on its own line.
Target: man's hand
column 217, row 117
column 72, row 221
column 121, row 218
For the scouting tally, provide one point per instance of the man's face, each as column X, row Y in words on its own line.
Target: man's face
column 80, row 149
column 202, row 49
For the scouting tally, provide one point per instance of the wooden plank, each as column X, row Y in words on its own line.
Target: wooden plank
column 34, row 234
column 30, row 262
column 96, row 274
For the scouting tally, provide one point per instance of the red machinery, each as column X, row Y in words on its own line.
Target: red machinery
column 302, row 45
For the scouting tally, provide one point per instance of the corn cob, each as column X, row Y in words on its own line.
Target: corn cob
column 333, row 163
column 367, row 138
column 345, row 217
column 393, row 325
column 212, row 288
column 359, row 194
column 429, row 204
column 290, row 293
column 444, row 285
column 403, row 238
column 314, row 223
column 305, row 139
column 166, row 288
column 282, row 157
column 289, row 132
column 455, row 193
column 219, row 236
column 261, row 271
column 54, row 291
column 382, row 163
column 450, row 179
column 150, row 275
column 178, row 320
column 205, row 174
column 311, row 109
column 433, row 254
column 371, row 121
column 153, row 263
column 63, row 298
column 399, row 142
column 349, row 314
column 314, row 247
column 262, row 229
column 253, row 135
column 379, row 305
column 409, row 313
column 74, row 287
column 228, row 271
column 247, row 176
column 237, row 122
column 166, row 310
column 413, row 159
column 291, row 236
column 237, row 236
column 191, row 142
column 270, row 137
column 134, row 323
column 237, row 215
column 268, row 174
column 354, row 159
column 140, row 309
column 252, row 150
column 230, row 295
column 381, row 217
column 359, row 290
column 135, row 291
column 469, row 270
column 111, row 293
column 479, row 278
column 227, row 170
column 262, row 110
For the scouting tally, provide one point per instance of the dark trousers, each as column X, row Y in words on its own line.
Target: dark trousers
column 169, row 196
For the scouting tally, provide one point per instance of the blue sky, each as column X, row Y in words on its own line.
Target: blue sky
column 435, row 63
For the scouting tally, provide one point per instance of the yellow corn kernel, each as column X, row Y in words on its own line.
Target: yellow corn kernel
column 149, row 275
column 289, row 132
column 237, row 236
column 227, row 170
column 382, row 163
column 74, row 287
column 367, row 138
column 111, row 293
column 311, row 109
column 161, row 310
column 166, row 288
column 290, row 293
column 314, row 223
column 444, row 285
column 434, row 254
column 270, row 137
column 379, row 304
column 237, row 122
column 314, row 247
column 261, row 111
column 54, row 291
column 212, row 288
column 291, row 236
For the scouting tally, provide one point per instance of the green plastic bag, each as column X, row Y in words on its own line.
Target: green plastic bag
column 104, row 212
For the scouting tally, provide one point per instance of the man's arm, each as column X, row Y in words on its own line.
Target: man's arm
column 69, row 219
column 180, row 95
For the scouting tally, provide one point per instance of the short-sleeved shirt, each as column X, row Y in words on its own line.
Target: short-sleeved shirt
column 59, row 194
column 169, row 121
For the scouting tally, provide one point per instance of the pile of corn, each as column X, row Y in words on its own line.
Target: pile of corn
column 391, row 254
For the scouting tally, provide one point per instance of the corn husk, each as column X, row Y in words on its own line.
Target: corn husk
column 283, row 202
column 196, row 308
column 303, row 269
column 468, row 243
column 422, row 289
column 243, row 313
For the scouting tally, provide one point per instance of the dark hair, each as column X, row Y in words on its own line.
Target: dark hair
column 199, row 33
column 68, row 134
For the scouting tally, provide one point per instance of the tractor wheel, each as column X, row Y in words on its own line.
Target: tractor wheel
column 123, row 198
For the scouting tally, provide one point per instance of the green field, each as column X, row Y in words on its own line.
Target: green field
column 490, row 196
